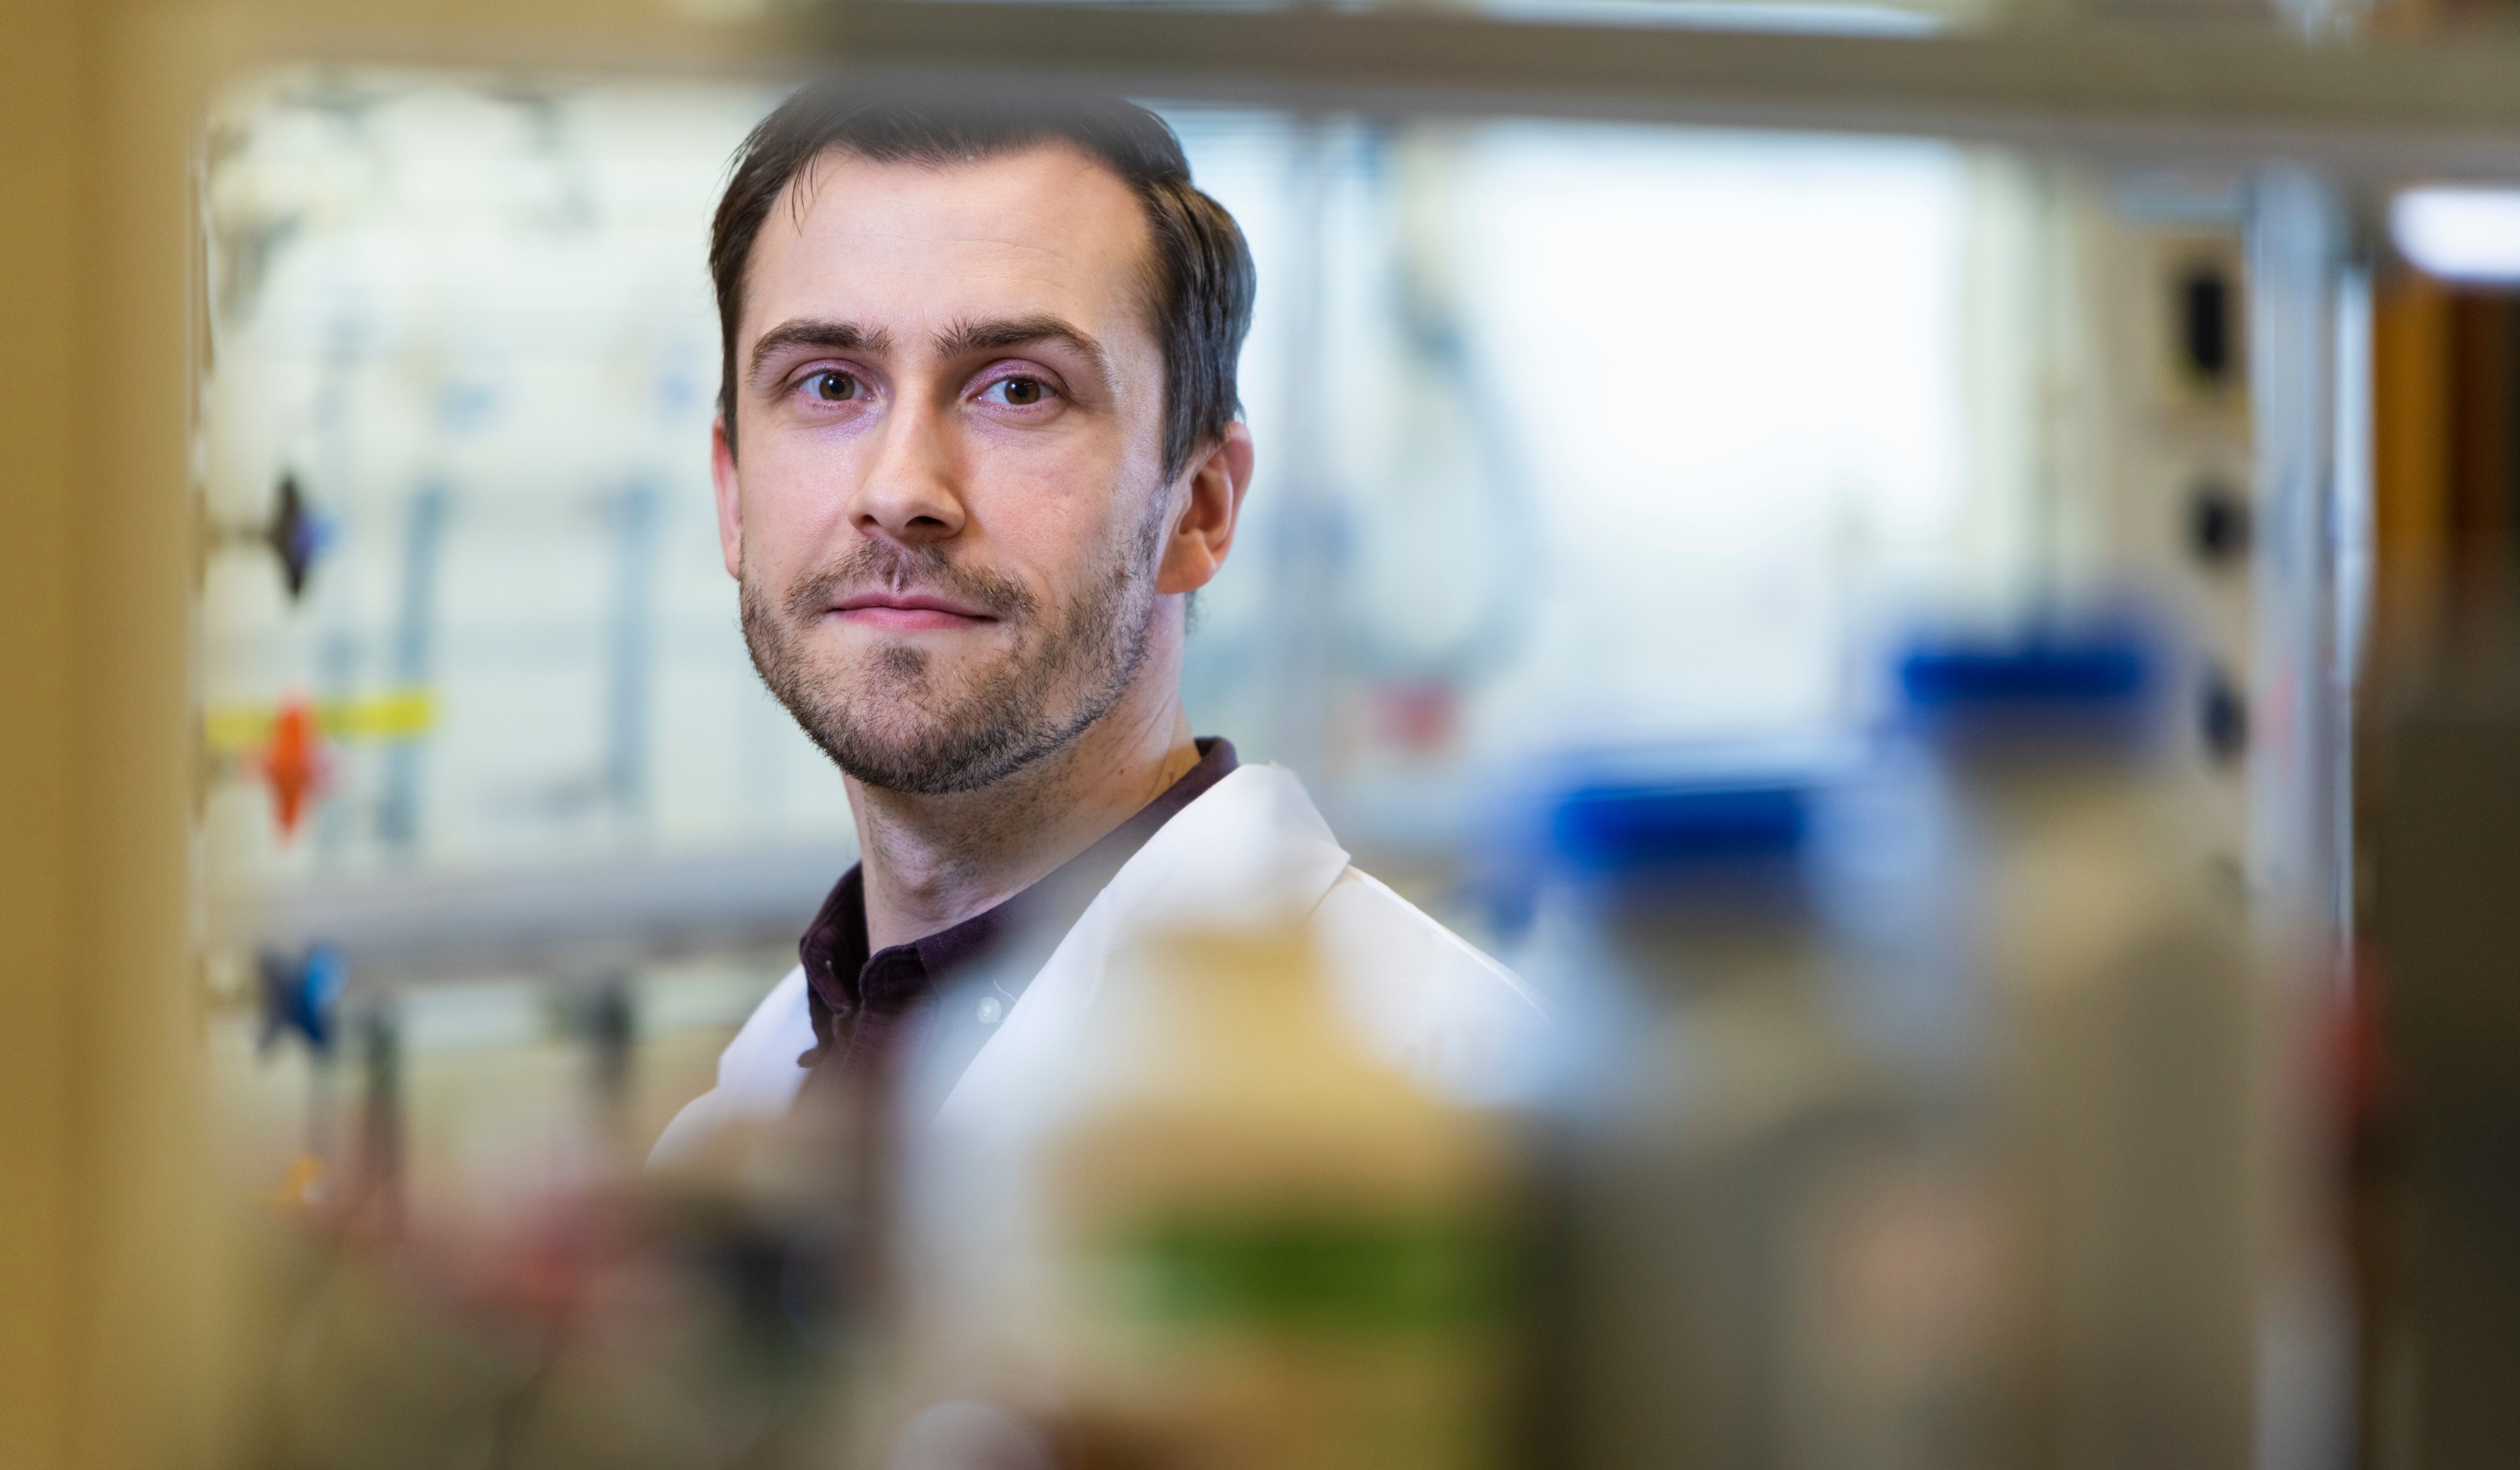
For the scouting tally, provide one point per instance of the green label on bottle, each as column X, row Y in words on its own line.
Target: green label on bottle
column 1318, row 1274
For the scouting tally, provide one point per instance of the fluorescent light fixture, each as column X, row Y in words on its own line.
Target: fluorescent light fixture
column 2462, row 234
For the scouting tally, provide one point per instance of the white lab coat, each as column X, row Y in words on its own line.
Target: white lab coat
column 1252, row 851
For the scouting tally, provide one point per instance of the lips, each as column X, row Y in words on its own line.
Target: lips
column 908, row 610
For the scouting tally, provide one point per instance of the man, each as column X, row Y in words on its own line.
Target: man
column 978, row 442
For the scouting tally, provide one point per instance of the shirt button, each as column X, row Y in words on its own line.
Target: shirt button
column 992, row 1009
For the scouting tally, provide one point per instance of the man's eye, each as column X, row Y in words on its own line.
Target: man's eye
column 1019, row 392
column 831, row 386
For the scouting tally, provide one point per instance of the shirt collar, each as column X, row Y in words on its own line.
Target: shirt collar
column 846, row 984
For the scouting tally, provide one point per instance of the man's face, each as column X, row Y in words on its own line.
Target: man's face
column 945, row 500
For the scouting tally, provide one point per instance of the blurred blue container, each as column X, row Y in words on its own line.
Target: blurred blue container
column 2097, row 687
column 1619, row 829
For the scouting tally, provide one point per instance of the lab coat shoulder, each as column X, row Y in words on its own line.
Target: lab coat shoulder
column 1425, row 999
column 1252, row 850
column 757, row 1075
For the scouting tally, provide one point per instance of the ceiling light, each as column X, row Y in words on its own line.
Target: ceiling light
column 2460, row 234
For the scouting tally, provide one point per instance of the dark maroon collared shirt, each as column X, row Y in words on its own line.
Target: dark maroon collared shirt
column 862, row 1004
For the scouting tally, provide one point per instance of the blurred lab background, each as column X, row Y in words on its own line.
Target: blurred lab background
column 1970, row 666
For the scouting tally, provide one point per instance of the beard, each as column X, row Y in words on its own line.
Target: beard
column 892, row 718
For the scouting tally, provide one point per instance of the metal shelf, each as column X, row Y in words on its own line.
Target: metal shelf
column 2445, row 104
column 560, row 921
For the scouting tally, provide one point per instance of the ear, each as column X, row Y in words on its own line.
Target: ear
column 730, row 499
column 1195, row 550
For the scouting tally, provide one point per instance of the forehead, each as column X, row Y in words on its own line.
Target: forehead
column 1042, row 230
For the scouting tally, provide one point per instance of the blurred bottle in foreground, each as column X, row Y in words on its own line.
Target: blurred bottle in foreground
column 699, row 1323
column 2117, row 974
column 1759, row 1261
column 1225, row 1235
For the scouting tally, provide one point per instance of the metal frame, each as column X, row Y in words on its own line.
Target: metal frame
column 2238, row 90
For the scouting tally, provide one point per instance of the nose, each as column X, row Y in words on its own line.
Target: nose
column 911, row 494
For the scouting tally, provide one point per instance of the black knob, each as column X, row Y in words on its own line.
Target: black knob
column 294, row 535
column 2217, row 524
column 2223, row 713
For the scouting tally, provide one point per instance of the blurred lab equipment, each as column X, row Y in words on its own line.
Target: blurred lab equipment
column 1755, row 1264
column 298, row 995
column 295, row 534
column 2115, row 969
column 706, row 1325
column 292, row 764
column 2449, row 765
column 1222, row 1231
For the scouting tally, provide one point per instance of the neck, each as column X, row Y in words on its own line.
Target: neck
column 932, row 862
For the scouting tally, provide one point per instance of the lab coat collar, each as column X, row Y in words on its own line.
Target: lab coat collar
column 1251, row 853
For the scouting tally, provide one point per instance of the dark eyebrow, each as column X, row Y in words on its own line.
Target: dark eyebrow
column 965, row 337
column 832, row 336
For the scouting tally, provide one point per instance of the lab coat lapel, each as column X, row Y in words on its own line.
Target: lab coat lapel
column 1250, row 853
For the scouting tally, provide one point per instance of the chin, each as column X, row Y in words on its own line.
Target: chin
column 936, row 761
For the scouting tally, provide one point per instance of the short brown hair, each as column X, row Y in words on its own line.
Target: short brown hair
column 1202, row 275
